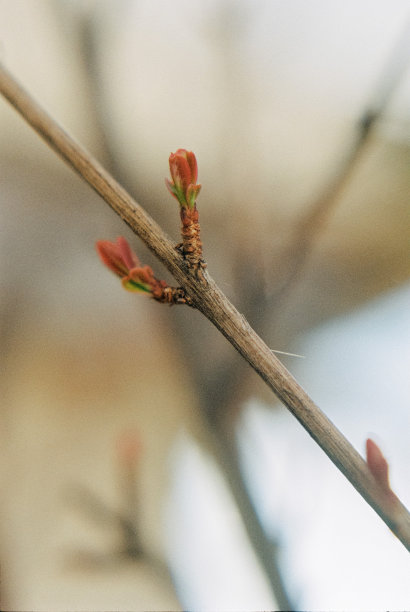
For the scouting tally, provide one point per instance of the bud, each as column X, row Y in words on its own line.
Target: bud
column 184, row 174
column 120, row 259
column 378, row 466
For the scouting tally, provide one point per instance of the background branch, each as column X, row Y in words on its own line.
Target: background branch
column 210, row 300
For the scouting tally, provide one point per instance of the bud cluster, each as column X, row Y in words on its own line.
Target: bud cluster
column 120, row 259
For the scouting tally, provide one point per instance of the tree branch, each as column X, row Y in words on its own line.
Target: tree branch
column 210, row 300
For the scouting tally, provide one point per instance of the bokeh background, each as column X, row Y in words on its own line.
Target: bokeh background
column 143, row 465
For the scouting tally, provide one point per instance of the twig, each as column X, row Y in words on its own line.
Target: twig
column 223, row 448
column 210, row 300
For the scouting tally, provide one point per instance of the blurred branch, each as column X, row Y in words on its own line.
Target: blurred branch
column 266, row 548
column 311, row 225
column 210, row 300
column 127, row 528
column 126, row 521
column 129, row 548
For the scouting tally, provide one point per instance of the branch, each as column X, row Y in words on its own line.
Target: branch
column 209, row 299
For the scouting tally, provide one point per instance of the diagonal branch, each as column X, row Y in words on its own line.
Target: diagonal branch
column 210, row 300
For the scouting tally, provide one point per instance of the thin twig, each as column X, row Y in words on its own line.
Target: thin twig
column 223, row 449
column 210, row 300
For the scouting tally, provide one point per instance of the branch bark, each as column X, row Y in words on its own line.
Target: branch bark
column 211, row 301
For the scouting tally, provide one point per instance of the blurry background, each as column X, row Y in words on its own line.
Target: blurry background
column 143, row 465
